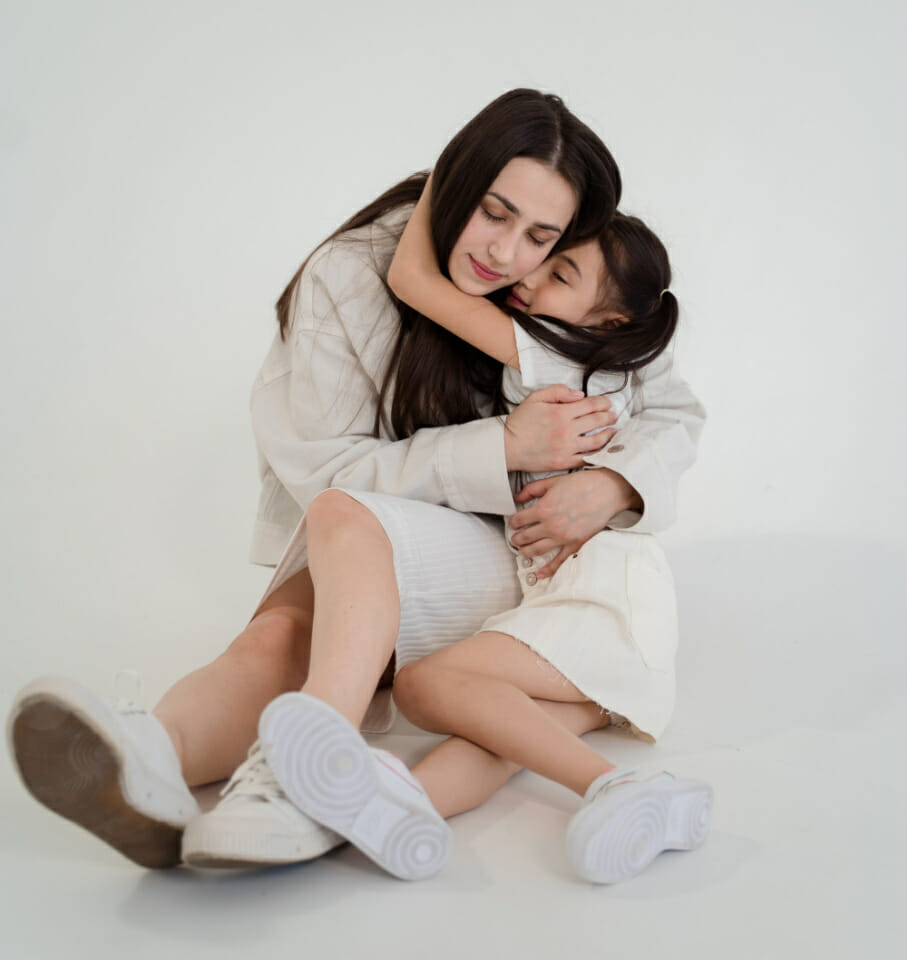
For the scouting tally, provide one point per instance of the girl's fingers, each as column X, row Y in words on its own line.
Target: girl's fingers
column 597, row 440
column 537, row 548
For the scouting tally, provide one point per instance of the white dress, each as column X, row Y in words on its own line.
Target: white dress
column 607, row 619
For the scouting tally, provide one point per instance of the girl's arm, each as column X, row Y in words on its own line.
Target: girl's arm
column 415, row 278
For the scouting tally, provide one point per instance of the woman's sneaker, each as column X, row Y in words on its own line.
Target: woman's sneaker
column 366, row 795
column 254, row 824
column 113, row 771
column 626, row 821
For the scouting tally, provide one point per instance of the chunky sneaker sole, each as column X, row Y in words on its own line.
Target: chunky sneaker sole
column 71, row 757
column 234, row 842
column 624, row 828
column 328, row 770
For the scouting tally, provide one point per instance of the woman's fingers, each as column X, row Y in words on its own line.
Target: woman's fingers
column 531, row 491
column 552, row 566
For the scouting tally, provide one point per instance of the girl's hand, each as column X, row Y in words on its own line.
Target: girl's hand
column 570, row 510
column 547, row 431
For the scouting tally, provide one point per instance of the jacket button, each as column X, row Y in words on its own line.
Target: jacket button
column 532, row 579
column 615, row 448
column 526, row 561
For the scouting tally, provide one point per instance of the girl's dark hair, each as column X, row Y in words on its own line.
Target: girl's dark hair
column 635, row 285
column 437, row 378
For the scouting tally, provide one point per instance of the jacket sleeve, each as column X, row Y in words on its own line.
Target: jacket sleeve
column 656, row 445
column 315, row 400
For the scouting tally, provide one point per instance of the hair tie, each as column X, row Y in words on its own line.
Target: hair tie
column 663, row 292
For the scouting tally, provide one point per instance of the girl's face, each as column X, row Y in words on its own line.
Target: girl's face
column 517, row 222
column 567, row 287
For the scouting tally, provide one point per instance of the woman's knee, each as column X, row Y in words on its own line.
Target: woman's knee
column 279, row 638
column 333, row 509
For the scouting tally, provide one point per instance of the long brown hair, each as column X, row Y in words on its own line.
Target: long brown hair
column 435, row 377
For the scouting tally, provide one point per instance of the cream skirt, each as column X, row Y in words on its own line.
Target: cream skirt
column 607, row 621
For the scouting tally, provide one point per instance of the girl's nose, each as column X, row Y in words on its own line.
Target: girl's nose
column 531, row 279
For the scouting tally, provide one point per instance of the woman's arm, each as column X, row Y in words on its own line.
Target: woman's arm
column 315, row 399
column 635, row 485
column 415, row 278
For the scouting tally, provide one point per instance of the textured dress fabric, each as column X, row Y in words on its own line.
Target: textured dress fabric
column 607, row 619
column 439, row 494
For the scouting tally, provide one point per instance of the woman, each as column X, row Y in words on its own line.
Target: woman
column 360, row 393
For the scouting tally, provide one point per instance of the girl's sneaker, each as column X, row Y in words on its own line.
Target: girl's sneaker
column 113, row 771
column 254, row 824
column 626, row 821
column 366, row 795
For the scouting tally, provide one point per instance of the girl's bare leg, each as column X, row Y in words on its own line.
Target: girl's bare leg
column 485, row 689
column 459, row 775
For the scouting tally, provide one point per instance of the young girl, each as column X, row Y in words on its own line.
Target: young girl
column 601, row 631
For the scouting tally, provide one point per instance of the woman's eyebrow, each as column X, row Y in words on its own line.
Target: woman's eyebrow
column 515, row 210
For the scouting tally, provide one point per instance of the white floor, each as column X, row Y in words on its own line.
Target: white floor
column 791, row 704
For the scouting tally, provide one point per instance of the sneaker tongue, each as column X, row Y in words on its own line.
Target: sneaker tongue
column 253, row 779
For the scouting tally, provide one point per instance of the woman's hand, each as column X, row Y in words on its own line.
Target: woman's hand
column 570, row 510
column 547, row 431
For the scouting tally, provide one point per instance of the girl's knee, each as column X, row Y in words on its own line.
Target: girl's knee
column 413, row 687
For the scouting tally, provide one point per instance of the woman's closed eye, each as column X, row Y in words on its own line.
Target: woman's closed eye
column 490, row 216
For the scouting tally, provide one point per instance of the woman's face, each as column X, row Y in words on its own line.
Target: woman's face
column 515, row 225
column 567, row 287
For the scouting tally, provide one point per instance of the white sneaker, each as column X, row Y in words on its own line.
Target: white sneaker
column 626, row 821
column 367, row 795
column 113, row 771
column 254, row 824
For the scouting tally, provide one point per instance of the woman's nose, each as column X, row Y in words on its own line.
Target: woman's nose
column 503, row 247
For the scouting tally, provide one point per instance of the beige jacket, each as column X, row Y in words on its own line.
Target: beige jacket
column 315, row 398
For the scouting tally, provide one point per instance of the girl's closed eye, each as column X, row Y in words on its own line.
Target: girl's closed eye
column 560, row 278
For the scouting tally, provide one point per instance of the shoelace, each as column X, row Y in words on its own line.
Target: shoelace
column 253, row 778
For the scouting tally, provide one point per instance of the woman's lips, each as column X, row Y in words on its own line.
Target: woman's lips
column 483, row 271
column 515, row 301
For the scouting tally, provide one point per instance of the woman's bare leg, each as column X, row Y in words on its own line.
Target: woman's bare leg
column 486, row 689
column 336, row 650
column 459, row 775
column 357, row 614
column 212, row 714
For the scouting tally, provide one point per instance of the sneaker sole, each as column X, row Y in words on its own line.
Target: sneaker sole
column 235, row 843
column 326, row 768
column 69, row 763
column 617, row 837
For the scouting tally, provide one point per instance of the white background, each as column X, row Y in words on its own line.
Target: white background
column 164, row 168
